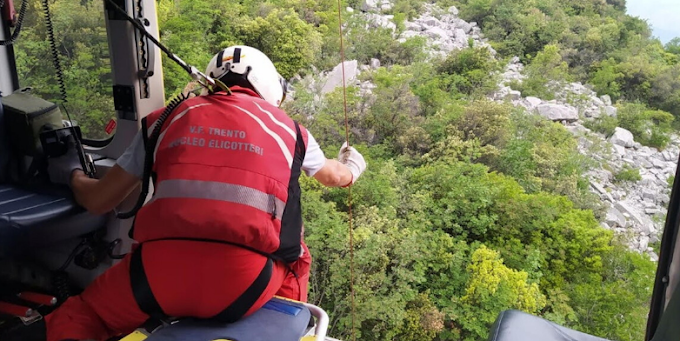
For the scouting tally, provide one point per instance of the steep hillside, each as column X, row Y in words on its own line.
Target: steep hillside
column 632, row 181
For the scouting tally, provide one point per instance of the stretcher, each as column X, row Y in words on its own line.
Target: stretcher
column 279, row 319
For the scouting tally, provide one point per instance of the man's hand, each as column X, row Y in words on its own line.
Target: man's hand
column 351, row 158
column 60, row 169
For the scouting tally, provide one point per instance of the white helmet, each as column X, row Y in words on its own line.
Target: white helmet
column 255, row 68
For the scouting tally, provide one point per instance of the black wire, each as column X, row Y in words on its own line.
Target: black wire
column 20, row 21
column 149, row 155
column 141, row 28
column 55, row 57
column 71, row 256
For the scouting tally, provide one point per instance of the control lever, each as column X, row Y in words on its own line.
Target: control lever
column 55, row 143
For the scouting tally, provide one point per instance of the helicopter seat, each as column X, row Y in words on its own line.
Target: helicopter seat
column 279, row 319
column 515, row 325
column 34, row 217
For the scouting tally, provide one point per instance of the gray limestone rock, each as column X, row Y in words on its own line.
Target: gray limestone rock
column 644, row 242
column 597, row 102
column 437, row 33
column 334, row 78
column 622, row 137
column 515, row 95
column 615, row 218
column 558, row 112
column 453, row 10
column 610, row 111
column 370, row 5
column 460, row 38
column 644, row 224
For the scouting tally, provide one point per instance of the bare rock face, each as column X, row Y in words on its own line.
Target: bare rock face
column 622, row 137
column 335, row 77
column 557, row 112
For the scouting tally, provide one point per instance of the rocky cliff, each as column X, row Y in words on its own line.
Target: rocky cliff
column 636, row 210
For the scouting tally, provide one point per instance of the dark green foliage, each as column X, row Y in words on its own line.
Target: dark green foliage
column 468, row 72
column 603, row 124
column 650, row 127
column 628, row 174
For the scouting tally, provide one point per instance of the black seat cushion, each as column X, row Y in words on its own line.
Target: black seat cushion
column 20, row 208
column 32, row 217
column 514, row 325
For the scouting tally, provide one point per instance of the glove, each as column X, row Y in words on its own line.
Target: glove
column 351, row 158
column 60, row 169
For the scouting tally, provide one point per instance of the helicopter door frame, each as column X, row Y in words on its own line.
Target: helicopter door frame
column 7, row 62
column 137, row 90
column 134, row 95
column 668, row 268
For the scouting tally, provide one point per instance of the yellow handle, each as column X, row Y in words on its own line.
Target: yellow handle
column 135, row 336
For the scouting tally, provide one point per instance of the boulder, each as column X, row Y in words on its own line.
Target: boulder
column 558, row 112
column 597, row 102
column 610, row 111
column 515, row 95
column 370, row 5
column 533, row 102
column 465, row 26
column 460, row 38
column 453, row 10
column 644, row 225
column 437, row 33
column 334, row 78
column 615, row 218
column 622, row 137
column 644, row 242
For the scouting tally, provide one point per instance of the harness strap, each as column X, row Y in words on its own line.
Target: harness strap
column 141, row 289
column 148, row 304
column 240, row 307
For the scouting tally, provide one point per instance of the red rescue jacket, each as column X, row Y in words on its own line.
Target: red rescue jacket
column 226, row 169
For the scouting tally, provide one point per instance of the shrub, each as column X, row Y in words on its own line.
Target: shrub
column 603, row 124
column 628, row 174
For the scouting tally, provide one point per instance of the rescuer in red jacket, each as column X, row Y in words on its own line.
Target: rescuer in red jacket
column 224, row 223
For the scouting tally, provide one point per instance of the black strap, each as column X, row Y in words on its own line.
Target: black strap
column 240, row 307
column 220, row 56
column 148, row 304
column 291, row 221
column 140, row 287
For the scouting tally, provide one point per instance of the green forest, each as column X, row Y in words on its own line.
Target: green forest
column 468, row 207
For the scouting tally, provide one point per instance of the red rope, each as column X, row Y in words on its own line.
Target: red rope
column 349, row 195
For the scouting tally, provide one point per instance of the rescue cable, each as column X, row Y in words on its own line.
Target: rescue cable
column 195, row 74
column 349, row 192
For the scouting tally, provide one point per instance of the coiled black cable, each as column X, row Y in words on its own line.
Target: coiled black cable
column 149, row 155
column 20, row 21
column 55, row 54
column 61, row 286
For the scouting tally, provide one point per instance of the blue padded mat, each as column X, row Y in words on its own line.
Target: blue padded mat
column 279, row 320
